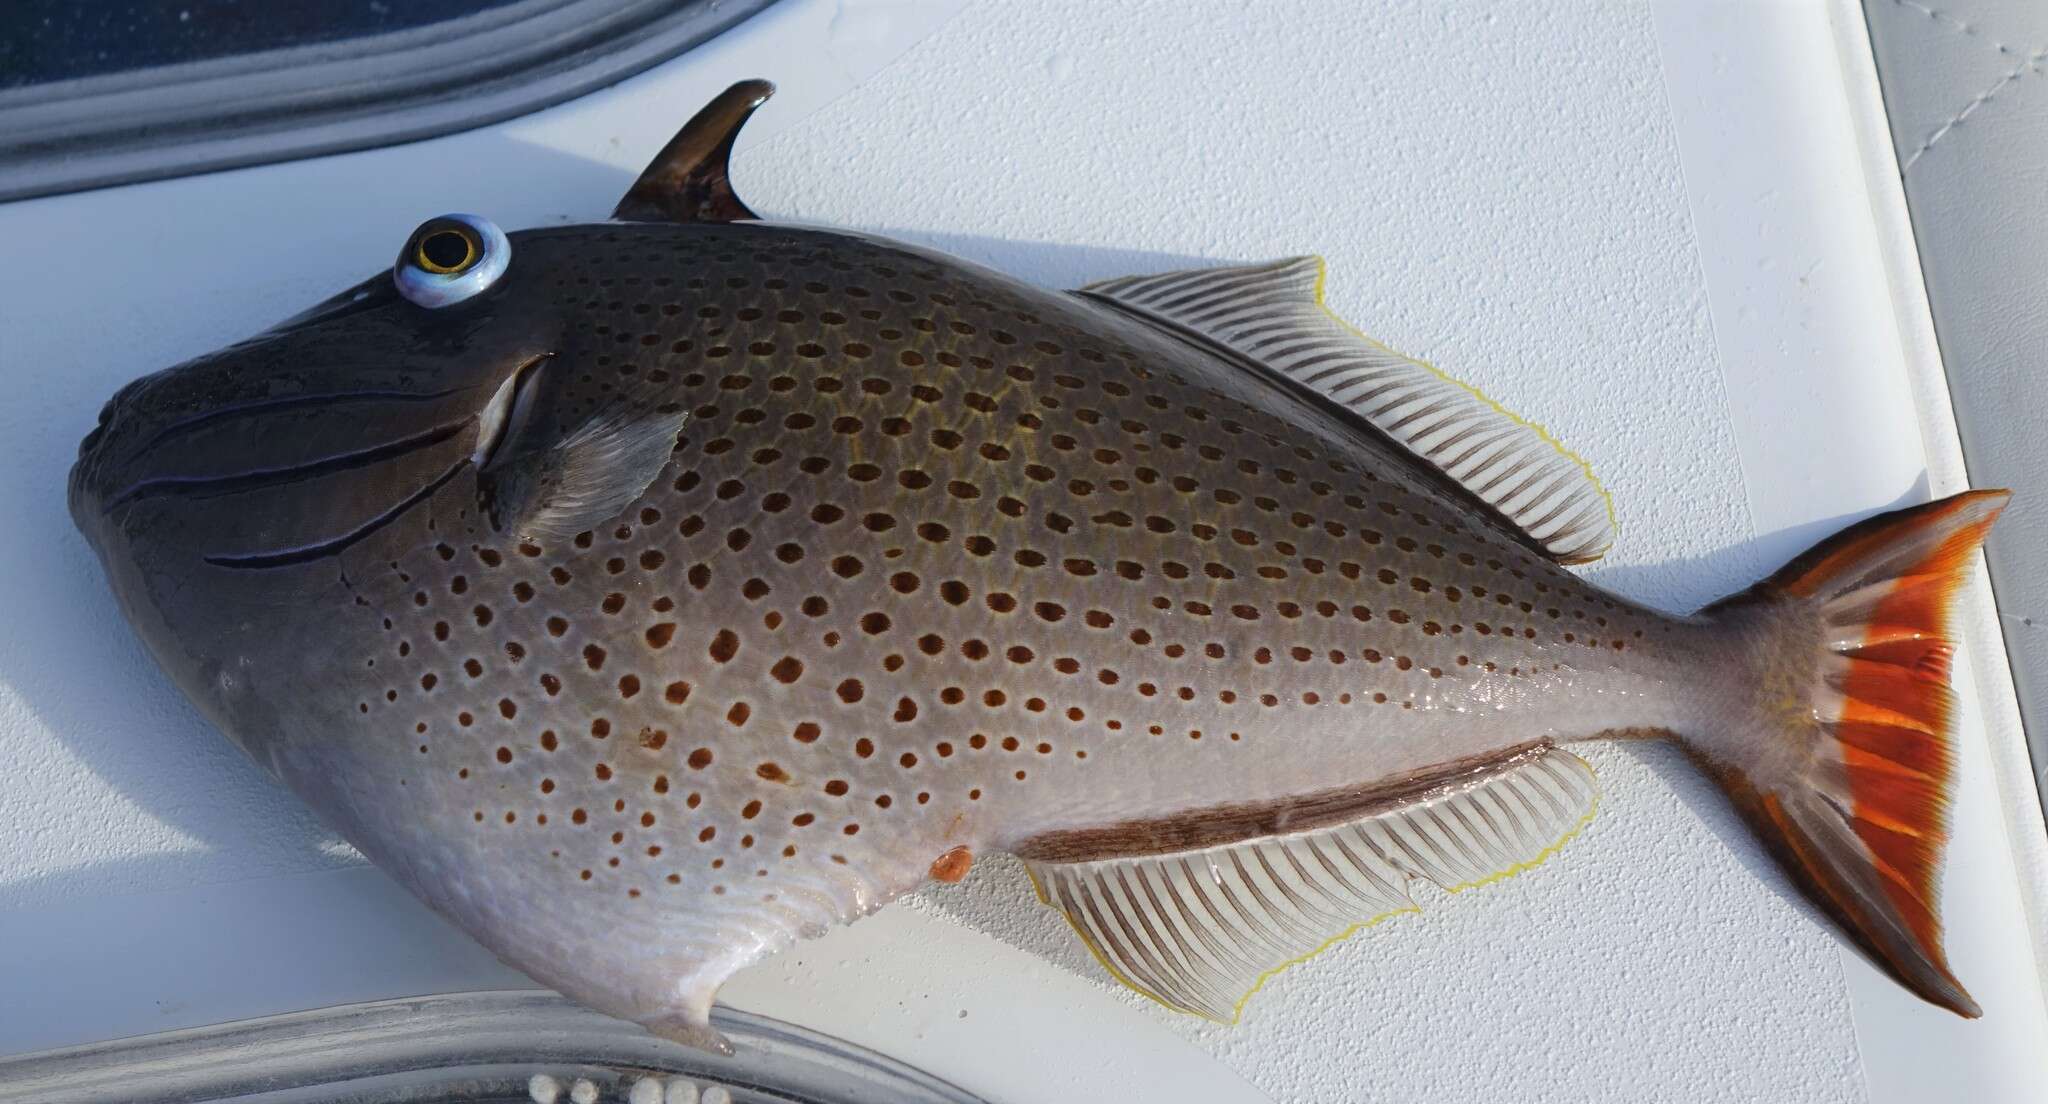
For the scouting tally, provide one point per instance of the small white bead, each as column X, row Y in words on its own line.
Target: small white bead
column 716, row 1094
column 644, row 1091
column 583, row 1092
column 681, row 1091
column 543, row 1089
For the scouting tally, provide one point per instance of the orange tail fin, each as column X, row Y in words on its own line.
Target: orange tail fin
column 1848, row 785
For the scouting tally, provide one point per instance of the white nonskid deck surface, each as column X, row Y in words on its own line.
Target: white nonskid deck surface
column 1644, row 227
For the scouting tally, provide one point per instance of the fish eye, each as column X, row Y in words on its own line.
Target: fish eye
column 450, row 259
column 449, row 251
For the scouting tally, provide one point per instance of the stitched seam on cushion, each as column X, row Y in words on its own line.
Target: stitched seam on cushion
column 1976, row 102
column 1967, row 30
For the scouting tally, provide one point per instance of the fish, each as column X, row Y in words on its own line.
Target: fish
column 651, row 594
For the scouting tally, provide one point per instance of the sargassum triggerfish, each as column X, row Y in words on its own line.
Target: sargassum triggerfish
column 650, row 594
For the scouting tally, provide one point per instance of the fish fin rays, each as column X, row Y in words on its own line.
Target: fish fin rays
column 1199, row 931
column 1272, row 317
column 557, row 491
column 689, row 180
column 1851, row 793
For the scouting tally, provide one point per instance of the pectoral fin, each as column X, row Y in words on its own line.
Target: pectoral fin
column 1271, row 318
column 544, row 476
column 1200, row 928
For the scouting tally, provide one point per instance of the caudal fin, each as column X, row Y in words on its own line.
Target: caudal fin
column 1848, row 782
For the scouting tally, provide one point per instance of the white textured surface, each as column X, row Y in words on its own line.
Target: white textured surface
column 1497, row 188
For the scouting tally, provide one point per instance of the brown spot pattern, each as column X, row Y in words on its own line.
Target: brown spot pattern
column 902, row 571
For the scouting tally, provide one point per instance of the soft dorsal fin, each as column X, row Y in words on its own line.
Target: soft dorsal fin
column 1200, row 928
column 687, row 181
column 1273, row 316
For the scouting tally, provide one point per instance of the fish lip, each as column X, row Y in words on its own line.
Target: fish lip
column 115, row 402
column 92, row 438
column 82, row 487
column 84, row 517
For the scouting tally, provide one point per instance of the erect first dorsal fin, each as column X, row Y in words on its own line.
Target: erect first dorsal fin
column 687, row 181
column 1272, row 315
column 1196, row 915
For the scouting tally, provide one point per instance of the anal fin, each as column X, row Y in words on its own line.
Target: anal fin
column 1199, row 930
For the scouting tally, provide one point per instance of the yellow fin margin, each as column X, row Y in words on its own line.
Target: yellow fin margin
column 1613, row 519
column 1096, row 951
column 1276, row 319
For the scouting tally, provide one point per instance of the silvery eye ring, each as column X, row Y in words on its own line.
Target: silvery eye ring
column 451, row 258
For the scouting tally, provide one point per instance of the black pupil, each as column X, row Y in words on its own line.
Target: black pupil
column 445, row 248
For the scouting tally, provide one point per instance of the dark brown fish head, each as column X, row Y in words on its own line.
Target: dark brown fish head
column 235, row 498
column 489, row 391
column 257, row 508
